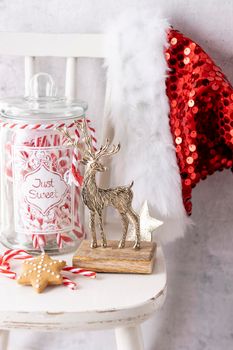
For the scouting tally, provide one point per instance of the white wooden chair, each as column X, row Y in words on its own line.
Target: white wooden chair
column 114, row 301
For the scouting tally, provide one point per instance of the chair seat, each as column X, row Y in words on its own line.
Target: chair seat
column 108, row 301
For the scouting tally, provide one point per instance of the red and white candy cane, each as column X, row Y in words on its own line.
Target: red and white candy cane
column 38, row 241
column 79, row 271
column 78, row 229
column 17, row 254
column 69, row 283
column 20, row 254
column 7, row 257
column 62, row 238
column 4, row 271
column 92, row 132
column 76, row 175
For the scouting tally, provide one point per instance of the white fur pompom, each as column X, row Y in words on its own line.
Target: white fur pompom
column 139, row 112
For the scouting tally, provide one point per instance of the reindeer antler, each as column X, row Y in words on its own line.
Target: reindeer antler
column 104, row 150
column 89, row 153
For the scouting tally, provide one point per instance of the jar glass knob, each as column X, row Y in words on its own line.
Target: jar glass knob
column 42, row 85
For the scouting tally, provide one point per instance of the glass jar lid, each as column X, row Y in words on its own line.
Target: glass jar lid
column 42, row 104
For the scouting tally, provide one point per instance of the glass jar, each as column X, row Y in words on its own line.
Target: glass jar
column 40, row 206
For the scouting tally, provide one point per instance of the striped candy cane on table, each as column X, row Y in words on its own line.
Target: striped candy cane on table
column 69, row 283
column 20, row 254
column 5, row 259
column 79, row 271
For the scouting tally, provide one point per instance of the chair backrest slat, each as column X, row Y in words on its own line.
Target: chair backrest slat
column 29, row 70
column 70, row 85
column 54, row 45
column 71, row 46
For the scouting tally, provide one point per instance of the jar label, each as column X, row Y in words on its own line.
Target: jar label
column 43, row 197
column 44, row 189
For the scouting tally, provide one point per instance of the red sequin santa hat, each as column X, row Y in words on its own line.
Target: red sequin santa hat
column 171, row 108
column 201, row 112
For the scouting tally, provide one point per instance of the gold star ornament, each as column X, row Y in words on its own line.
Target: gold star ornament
column 41, row 272
column 148, row 224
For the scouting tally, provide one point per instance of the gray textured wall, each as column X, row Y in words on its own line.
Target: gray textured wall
column 198, row 312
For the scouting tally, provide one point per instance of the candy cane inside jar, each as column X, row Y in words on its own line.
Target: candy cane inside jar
column 40, row 204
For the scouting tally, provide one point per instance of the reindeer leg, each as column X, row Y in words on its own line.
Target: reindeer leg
column 93, row 230
column 104, row 240
column 136, row 221
column 125, row 223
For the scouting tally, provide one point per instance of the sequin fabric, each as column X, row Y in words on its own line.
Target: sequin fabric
column 201, row 113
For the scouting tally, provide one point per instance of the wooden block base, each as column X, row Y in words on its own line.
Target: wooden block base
column 113, row 259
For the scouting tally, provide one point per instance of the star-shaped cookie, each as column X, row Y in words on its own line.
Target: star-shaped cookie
column 41, row 272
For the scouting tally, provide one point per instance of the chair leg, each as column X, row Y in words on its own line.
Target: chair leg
column 4, row 336
column 129, row 338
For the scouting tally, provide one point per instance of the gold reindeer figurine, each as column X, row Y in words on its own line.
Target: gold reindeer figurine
column 96, row 198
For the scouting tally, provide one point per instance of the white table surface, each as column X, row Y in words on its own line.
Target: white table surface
column 104, row 302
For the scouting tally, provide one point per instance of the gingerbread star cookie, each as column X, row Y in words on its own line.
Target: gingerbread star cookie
column 41, row 272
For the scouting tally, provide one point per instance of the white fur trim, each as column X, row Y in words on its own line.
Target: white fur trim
column 139, row 109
